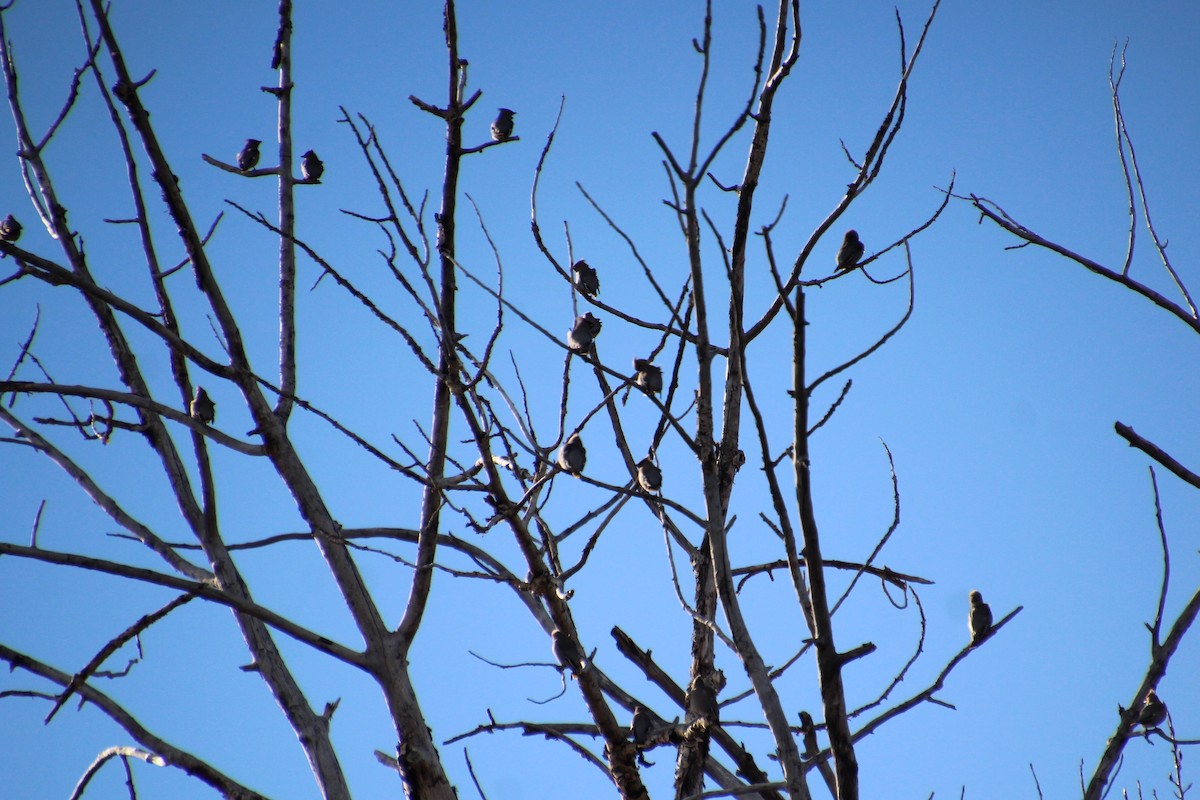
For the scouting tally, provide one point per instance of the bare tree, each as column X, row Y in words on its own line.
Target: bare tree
column 505, row 460
column 1144, row 715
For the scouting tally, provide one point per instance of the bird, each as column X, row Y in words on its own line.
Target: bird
column 702, row 701
column 641, row 727
column 311, row 167
column 10, row 229
column 203, row 408
column 571, row 456
column 980, row 619
column 583, row 333
column 1154, row 711
column 585, row 278
column 502, row 126
column 247, row 159
column 566, row 651
column 649, row 476
column 648, row 376
column 850, row 253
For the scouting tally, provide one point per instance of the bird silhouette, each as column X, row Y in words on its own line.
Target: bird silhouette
column 641, row 727
column 702, row 701
column 583, row 333
column 1154, row 711
column 10, row 229
column 567, row 652
column 648, row 475
column 572, row 456
column 585, row 278
column 311, row 167
column 247, row 159
column 980, row 619
column 850, row 253
column 202, row 407
column 648, row 376
column 502, row 126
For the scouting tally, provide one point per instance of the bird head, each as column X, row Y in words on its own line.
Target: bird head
column 976, row 597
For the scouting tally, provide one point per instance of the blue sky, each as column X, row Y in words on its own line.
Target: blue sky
column 997, row 400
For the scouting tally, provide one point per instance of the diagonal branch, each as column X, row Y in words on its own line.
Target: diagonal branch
column 172, row 755
column 999, row 216
column 204, row 590
column 1157, row 453
column 113, row 646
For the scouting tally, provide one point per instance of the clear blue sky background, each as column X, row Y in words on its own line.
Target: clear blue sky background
column 997, row 400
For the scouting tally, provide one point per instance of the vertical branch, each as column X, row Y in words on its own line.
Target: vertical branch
column 829, row 662
column 690, row 766
column 1160, row 658
column 1114, row 86
column 287, row 216
column 420, row 765
column 729, row 456
column 431, row 502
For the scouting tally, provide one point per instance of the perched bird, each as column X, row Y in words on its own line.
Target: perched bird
column 649, row 476
column 702, row 701
column 850, row 253
column 980, row 619
column 571, row 456
column 567, row 652
column 311, row 167
column 585, row 278
column 10, row 229
column 502, row 126
column 248, row 158
column 641, row 727
column 648, row 376
column 1154, row 711
column 203, row 408
column 583, row 333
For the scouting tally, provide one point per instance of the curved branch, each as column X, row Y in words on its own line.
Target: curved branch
column 882, row 340
column 124, row 753
column 171, row 754
column 927, row 694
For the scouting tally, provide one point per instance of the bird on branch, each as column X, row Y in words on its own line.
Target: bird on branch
column 850, row 253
